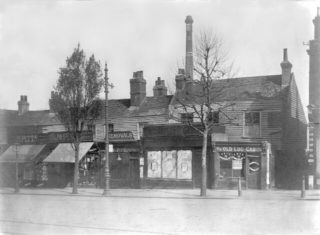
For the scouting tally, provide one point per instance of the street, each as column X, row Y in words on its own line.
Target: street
column 173, row 212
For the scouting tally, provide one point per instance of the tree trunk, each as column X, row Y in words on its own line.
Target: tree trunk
column 76, row 168
column 203, row 192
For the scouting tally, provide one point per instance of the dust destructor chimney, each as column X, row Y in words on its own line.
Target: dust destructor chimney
column 189, row 49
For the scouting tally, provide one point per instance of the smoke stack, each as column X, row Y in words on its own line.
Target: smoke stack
column 23, row 105
column 189, row 50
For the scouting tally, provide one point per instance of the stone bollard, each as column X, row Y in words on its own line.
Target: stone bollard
column 303, row 188
column 239, row 187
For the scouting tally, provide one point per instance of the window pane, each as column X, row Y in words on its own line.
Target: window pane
column 252, row 124
column 154, row 164
column 214, row 117
column 184, row 164
column 186, row 117
column 225, row 168
column 169, row 164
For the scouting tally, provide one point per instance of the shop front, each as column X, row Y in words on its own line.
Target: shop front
column 47, row 160
column 21, row 158
column 172, row 157
column 250, row 162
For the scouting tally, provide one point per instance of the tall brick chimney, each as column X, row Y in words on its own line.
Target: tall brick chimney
column 286, row 67
column 160, row 88
column 189, row 50
column 137, row 88
column 23, row 105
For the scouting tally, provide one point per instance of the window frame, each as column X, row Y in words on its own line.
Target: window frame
column 188, row 117
column 177, row 162
column 244, row 124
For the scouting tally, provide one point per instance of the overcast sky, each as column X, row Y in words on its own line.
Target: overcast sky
column 36, row 36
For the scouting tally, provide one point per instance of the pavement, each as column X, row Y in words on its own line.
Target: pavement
column 172, row 193
column 158, row 211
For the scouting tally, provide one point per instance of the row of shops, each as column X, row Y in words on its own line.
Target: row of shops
column 156, row 161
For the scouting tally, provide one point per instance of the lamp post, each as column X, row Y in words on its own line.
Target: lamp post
column 106, row 191
column 16, row 188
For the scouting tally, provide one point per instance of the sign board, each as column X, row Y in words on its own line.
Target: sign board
column 247, row 149
column 237, row 164
column 52, row 137
column 117, row 136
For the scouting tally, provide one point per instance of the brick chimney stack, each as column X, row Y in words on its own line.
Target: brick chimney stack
column 160, row 88
column 189, row 50
column 180, row 80
column 50, row 101
column 23, row 105
column 286, row 67
column 137, row 88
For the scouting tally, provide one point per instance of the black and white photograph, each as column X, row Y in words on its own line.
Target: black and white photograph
column 164, row 117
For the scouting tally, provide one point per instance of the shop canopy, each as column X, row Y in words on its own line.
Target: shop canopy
column 21, row 153
column 64, row 153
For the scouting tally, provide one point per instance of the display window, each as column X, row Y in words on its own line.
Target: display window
column 175, row 164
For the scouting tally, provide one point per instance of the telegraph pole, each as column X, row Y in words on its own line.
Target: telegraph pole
column 106, row 191
column 16, row 188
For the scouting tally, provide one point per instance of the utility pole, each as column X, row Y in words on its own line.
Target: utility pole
column 106, row 191
column 16, row 188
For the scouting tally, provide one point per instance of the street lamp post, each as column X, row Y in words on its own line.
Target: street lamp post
column 106, row 191
column 16, row 188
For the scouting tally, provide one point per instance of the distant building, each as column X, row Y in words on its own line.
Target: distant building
column 314, row 107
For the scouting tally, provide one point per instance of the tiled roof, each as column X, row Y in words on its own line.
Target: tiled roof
column 153, row 106
column 30, row 118
column 244, row 88
column 117, row 108
column 6, row 116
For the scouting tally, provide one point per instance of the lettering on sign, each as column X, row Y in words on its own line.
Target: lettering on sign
column 123, row 135
column 24, row 139
column 238, row 149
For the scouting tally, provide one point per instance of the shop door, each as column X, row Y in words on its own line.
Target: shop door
column 253, row 171
column 134, row 173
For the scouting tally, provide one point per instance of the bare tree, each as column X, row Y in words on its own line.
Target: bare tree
column 75, row 100
column 200, row 96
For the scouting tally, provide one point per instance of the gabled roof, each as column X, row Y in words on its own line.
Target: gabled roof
column 236, row 89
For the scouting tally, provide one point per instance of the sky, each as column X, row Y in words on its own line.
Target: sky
column 36, row 37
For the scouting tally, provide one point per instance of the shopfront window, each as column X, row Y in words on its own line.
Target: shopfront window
column 232, row 164
column 170, row 164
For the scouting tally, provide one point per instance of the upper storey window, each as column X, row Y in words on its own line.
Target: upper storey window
column 186, row 118
column 251, row 127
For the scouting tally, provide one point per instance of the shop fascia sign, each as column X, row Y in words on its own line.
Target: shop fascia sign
column 247, row 149
column 116, row 136
column 52, row 137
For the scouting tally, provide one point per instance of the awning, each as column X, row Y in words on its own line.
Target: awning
column 64, row 153
column 25, row 153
